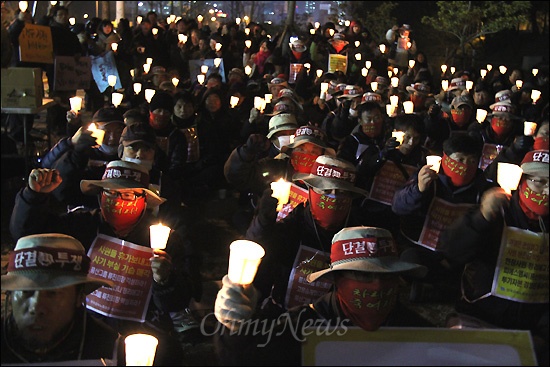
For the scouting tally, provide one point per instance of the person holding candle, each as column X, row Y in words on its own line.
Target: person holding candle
column 124, row 185
column 47, row 319
column 353, row 269
column 419, row 93
column 304, row 233
column 401, row 45
column 475, row 241
column 459, row 181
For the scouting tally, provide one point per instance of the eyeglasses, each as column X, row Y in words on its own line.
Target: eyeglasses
column 124, row 195
column 539, row 183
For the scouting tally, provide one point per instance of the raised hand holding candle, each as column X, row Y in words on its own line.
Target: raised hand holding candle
column 159, row 236
column 281, row 191
column 244, row 258
column 434, row 161
column 398, row 135
column 508, row 176
column 76, row 103
column 529, row 128
column 140, row 349
column 98, row 134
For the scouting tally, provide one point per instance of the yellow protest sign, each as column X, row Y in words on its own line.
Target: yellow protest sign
column 35, row 44
column 337, row 63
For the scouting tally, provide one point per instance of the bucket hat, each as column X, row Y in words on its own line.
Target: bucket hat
column 281, row 122
column 310, row 134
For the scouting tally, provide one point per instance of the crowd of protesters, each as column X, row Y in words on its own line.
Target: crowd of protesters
column 352, row 136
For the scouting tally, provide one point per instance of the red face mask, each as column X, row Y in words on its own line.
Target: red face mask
column 372, row 129
column 159, row 121
column 460, row 174
column 418, row 101
column 367, row 304
column 461, row 116
column 297, row 54
column 329, row 210
column 541, row 143
column 533, row 205
column 302, row 162
column 499, row 127
column 122, row 215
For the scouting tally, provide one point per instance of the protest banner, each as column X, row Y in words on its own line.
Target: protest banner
column 35, row 44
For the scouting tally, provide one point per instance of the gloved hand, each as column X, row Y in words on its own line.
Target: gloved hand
column 255, row 115
column 255, row 144
column 391, row 144
column 522, row 143
column 83, row 140
column 267, row 208
column 234, row 303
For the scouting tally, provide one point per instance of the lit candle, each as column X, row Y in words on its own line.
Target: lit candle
column 395, row 71
column 481, row 114
column 312, row 31
column 137, row 88
column 155, row 31
column 368, row 64
column 374, row 86
column 217, row 62
column 204, row 69
column 535, row 71
column 390, row 110
column 469, row 84
column 502, row 69
column 319, row 72
column 238, row 20
column 408, row 107
column 111, row 79
column 248, row 43
column 358, row 56
column 133, row 73
column 357, row 43
column 434, row 161
column 244, row 258
column 159, row 234
column 175, row 81
column 519, row 83
column 398, row 135
column 247, row 31
column 258, row 102
column 409, row 44
column 347, row 23
column 317, row 25
column 149, row 93
column 140, row 349
column 72, row 20
column 116, row 98
column 331, row 32
column 508, row 176
column 453, row 69
column 394, row 100
column 199, row 18
column 281, row 191
column 324, row 90
column 382, row 48
column 411, row 63
column 149, row 60
column 139, row 19
column 233, row 101
column 268, row 97
column 529, row 128
column 483, row 73
column 535, row 95
column 445, row 85
column 395, row 82
column 200, row 78
column 364, row 72
column 443, row 68
column 76, row 103
column 390, row 73
column 114, row 46
column 489, row 67
column 218, row 47
column 98, row 134
column 182, row 38
column 248, row 70
column 23, row 5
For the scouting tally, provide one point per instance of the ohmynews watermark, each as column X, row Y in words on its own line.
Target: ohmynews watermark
column 267, row 328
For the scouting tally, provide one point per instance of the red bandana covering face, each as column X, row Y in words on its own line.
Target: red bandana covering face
column 122, row 215
column 500, row 127
column 338, row 45
column 329, row 210
column 533, row 205
column 461, row 116
column 302, row 162
column 418, row 101
column 367, row 304
column 541, row 143
column 297, row 54
column 460, row 174
column 159, row 121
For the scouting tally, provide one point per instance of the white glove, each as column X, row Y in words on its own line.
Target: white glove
column 254, row 115
column 234, row 303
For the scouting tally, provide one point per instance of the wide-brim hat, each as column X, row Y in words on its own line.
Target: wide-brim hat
column 138, row 133
column 505, row 110
column 462, row 100
column 420, row 88
column 282, row 107
column 350, row 92
column 290, row 94
column 504, row 95
column 277, row 81
column 281, row 122
column 371, row 97
column 366, row 249
column 457, row 83
column 68, row 265
column 331, row 173
column 120, row 175
column 309, row 134
column 298, row 46
column 535, row 163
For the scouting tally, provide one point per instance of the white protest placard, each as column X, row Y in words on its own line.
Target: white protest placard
column 72, row 74
column 102, row 67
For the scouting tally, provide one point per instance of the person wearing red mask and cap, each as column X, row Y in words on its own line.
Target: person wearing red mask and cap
column 363, row 276
column 457, row 186
column 503, row 247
